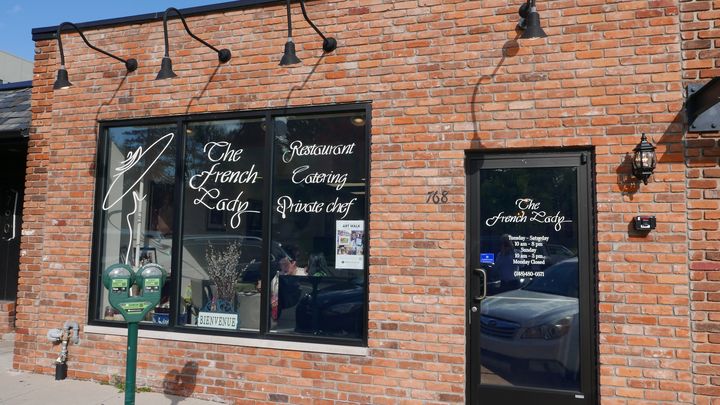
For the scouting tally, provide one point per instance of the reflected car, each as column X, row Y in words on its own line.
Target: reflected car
column 537, row 323
column 334, row 310
column 556, row 253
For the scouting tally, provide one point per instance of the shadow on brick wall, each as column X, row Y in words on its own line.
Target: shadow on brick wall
column 509, row 49
column 307, row 78
column 196, row 99
column 180, row 383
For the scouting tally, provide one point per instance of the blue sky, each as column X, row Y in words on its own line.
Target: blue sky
column 19, row 17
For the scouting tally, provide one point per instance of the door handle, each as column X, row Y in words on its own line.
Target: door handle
column 9, row 231
column 483, row 283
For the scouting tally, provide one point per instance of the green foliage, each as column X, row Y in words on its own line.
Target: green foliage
column 119, row 383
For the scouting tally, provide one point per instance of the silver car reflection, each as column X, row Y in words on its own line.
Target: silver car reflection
column 536, row 326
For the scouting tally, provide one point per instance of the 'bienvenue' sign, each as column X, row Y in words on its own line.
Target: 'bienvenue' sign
column 217, row 320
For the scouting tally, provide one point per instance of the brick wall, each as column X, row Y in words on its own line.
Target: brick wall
column 444, row 77
column 7, row 317
column 701, row 61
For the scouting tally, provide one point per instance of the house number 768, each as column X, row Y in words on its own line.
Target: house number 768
column 437, row 197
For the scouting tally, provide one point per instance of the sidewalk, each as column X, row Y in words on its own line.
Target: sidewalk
column 34, row 389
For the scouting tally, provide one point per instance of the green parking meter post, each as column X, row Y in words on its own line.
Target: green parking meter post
column 119, row 279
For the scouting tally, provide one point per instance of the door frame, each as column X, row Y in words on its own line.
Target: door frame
column 583, row 158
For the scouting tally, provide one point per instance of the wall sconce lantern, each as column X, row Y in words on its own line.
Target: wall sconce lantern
column 62, row 81
column 289, row 57
column 644, row 160
column 166, row 70
column 530, row 21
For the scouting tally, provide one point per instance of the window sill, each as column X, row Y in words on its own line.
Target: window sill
column 232, row 341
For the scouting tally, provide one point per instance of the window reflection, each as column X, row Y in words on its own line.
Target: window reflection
column 529, row 324
column 312, row 256
column 138, row 197
column 222, row 225
column 318, row 218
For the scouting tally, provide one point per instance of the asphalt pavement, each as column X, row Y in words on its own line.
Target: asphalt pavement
column 18, row 388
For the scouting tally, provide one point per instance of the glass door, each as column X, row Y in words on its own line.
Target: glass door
column 530, row 287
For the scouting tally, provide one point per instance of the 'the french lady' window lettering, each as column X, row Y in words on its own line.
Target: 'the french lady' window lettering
column 529, row 210
column 528, row 250
column 224, row 155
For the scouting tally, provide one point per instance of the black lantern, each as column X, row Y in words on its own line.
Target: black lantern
column 644, row 160
column 166, row 70
column 62, row 81
column 289, row 56
column 530, row 21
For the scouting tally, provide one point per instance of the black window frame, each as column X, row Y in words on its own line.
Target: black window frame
column 181, row 122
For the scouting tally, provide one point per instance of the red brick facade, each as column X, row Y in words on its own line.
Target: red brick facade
column 701, row 62
column 7, row 317
column 443, row 77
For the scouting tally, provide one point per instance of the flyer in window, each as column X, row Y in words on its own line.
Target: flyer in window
column 349, row 247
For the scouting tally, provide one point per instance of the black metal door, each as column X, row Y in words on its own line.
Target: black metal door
column 13, row 155
column 531, row 311
column 10, row 204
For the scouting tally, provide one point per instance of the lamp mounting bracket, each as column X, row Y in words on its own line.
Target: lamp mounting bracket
column 702, row 106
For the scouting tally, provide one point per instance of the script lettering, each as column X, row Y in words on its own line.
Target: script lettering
column 205, row 182
column 534, row 215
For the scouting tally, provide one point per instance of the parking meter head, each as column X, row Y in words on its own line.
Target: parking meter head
column 151, row 278
column 118, row 279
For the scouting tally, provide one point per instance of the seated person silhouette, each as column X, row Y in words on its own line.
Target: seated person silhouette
column 285, row 292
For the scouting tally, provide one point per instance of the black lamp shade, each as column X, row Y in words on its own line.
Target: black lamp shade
column 644, row 160
column 62, row 81
column 166, row 71
column 224, row 55
column 532, row 26
column 329, row 44
column 131, row 65
column 289, row 57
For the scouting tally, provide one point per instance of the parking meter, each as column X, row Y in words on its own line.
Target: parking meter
column 119, row 279
column 151, row 278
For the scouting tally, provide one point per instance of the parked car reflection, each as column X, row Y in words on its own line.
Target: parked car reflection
column 330, row 306
column 555, row 253
column 530, row 336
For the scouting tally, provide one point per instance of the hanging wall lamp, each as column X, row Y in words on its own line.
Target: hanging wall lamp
column 289, row 57
column 62, row 81
column 530, row 21
column 644, row 159
column 166, row 71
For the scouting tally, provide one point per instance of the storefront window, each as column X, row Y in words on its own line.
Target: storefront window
column 137, row 205
column 319, row 206
column 222, row 224
column 276, row 200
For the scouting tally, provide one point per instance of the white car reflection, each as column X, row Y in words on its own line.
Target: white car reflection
column 536, row 326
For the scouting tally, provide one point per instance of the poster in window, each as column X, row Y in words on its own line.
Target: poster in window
column 349, row 246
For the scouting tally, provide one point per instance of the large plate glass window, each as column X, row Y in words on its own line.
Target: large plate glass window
column 318, row 287
column 260, row 219
column 222, row 224
column 137, row 205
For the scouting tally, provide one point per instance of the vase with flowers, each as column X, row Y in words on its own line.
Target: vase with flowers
column 222, row 270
